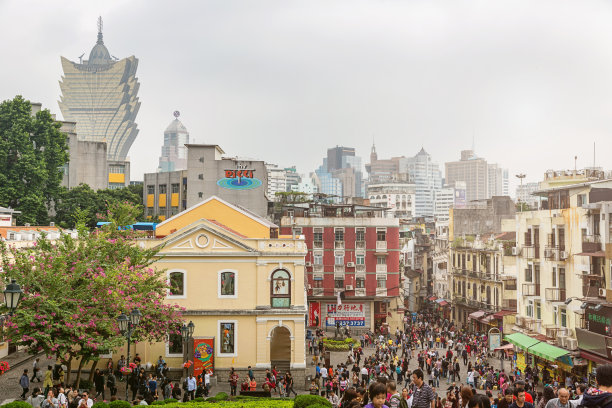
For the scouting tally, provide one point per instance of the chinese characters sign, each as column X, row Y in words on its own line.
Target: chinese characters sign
column 600, row 322
column 314, row 314
column 347, row 314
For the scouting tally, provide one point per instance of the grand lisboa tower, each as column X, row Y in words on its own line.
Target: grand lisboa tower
column 100, row 95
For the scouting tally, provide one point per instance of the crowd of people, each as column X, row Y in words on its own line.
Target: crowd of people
column 433, row 364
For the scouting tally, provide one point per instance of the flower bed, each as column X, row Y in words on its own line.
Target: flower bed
column 340, row 345
column 4, row 367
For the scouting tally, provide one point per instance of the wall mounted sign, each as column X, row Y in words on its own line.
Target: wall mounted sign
column 203, row 355
column 239, row 180
column 347, row 314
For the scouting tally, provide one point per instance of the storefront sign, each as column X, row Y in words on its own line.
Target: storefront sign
column 600, row 321
column 203, row 355
column 314, row 314
column 494, row 339
column 347, row 314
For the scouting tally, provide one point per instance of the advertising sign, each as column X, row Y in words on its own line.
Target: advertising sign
column 347, row 314
column 203, row 355
column 600, row 321
column 314, row 314
column 494, row 339
column 239, row 179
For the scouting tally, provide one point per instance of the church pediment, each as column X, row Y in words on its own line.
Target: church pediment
column 203, row 238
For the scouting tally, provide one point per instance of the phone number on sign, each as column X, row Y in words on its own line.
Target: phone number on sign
column 344, row 322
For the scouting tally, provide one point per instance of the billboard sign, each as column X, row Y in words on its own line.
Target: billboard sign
column 347, row 314
column 314, row 314
column 203, row 355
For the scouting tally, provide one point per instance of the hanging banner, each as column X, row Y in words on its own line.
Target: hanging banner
column 314, row 314
column 203, row 355
column 348, row 314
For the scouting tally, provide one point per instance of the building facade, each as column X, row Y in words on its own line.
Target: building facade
column 425, row 174
column 100, row 95
column 241, row 182
column 524, row 194
column 398, row 198
column 482, row 180
column 352, row 256
column 242, row 288
column 277, row 180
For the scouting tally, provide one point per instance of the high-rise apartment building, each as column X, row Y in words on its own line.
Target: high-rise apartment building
column 524, row 194
column 427, row 178
column 174, row 151
column 342, row 163
column 277, row 180
column 483, row 180
column 100, row 95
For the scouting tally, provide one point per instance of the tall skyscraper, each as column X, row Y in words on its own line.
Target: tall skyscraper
column 472, row 170
column 342, row 163
column 174, row 151
column 426, row 176
column 100, row 95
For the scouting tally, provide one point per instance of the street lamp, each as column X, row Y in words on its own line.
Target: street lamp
column 187, row 334
column 127, row 324
column 12, row 296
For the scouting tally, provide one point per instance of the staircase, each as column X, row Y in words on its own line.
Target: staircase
column 282, row 366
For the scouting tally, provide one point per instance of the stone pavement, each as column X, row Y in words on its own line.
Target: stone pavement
column 9, row 382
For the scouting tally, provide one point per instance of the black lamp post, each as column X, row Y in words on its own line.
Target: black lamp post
column 127, row 324
column 187, row 334
column 12, row 296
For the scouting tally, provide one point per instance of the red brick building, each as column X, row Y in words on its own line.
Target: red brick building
column 352, row 253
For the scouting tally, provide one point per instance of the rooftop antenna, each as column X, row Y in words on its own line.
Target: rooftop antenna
column 81, row 58
column 593, row 155
column 100, row 27
column 575, row 165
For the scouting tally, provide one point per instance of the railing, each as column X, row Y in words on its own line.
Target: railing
column 381, row 245
column 317, row 292
column 531, row 289
column 554, row 295
column 381, row 268
column 360, row 244
column 360, row 268
column 339, row 244
column 317, row 268
column 528, row 251
column 360, row 291
column 509, row 304
column 534, row 325
column 473, row 274
column 591, row 243
column 381, row 291
column 551, row 253
column 317, row 244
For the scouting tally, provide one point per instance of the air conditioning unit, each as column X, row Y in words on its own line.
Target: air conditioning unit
column 515, row 251
column 308, row 263
column 571, row 343
column 309, row 287
column 349, row 287
column 602, row 292
column 350, row 264
column 561, row 340
column 563, row 255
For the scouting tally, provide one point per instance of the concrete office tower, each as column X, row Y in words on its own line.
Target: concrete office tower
column 474, row 171
column 345, row 166
column 174, row 151
column 277, row 180
column 426, row 176
column 100, row 95
column 498, row 181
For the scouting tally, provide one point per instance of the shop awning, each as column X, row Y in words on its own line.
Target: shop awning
column 597, row 254
column 521, row 340
column 503, row 313
column 551, row 353
column 504, row 347
column 476, row 315
column 432, row 298
column 443, row 303
column 594, row 357
column 487, row 319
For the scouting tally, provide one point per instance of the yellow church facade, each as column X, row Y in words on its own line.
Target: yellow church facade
column 242, row 287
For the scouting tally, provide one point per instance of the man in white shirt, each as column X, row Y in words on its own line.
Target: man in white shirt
column 207, row 381
column 364, row 376
column 191, row 386
column 87, row 399
column 61, row 398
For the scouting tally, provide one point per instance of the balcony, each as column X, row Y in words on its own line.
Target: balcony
column 339, row 244
column 317, row 244
column 317, row 268
column 554, row 295
column 381, row 291
column 381, row 246
column 381, row 268
column 473, row 274
column 534, row 325
column 509, row 304
column 459, row 272
column 360, row 244
column 591, row 243
column 360, row 268
column 551, row 253
column 531, row 289
column 529, row 251
column 317, row 292
column 360, row 292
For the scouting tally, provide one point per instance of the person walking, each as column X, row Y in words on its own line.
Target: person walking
column 48, row 381
column 600, row 396
column 289, row 384
column 191, row 387
column 98, row 380
column 233, row 380
column 423, row 395
column 35, row 369
column 24, row 382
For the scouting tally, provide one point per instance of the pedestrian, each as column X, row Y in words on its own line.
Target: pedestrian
column 423, row 396
column 98, row 380
column 520, row 402
column 289, row 384
column 24, row 382
column 36, row 399
column 600, row 396
column 191, row 387
column 233, row 381
column 111, row 383
column 50, row 401
column 48, row 381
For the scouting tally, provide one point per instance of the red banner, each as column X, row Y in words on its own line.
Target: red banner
column 203, row 355
column 314, row 314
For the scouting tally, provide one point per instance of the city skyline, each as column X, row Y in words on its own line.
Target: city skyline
column 440, row 86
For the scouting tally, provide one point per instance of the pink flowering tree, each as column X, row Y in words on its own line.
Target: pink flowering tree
column 74, row 290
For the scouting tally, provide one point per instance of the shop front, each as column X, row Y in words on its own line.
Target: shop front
column 380, row 317
column 474, row 317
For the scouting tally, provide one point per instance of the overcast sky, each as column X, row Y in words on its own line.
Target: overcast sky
column 530, row 81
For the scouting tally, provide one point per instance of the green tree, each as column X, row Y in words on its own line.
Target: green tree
column 32, row 153
column 74, row 289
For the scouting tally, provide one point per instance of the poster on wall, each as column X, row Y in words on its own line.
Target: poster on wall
column 314, row 314
column 347, row 314
column 203, row 355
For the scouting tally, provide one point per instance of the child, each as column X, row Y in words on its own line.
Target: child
column 378, row 395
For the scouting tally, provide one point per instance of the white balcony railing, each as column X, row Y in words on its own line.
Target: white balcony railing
column 339, row 244
column 360, row 292
column 381, row 291
column 360, row 268
column 317, row 292
column 381, row 245
column 381, row 268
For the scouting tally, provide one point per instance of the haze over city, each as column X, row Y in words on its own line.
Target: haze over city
column 528, row 82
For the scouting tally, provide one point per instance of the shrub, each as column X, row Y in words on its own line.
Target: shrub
column 100, row 404
column 317, row 406
column 303, row 401
column 119, row 404
column 222, row 396
column 170, row 401
column 17, row 404
column 154, row 403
